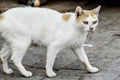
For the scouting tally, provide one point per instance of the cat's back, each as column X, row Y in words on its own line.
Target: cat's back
column 29, row 12
column 26, row 10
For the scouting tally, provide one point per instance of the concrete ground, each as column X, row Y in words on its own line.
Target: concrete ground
column 105, row 53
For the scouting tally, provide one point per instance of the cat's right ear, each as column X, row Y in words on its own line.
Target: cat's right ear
column 96, row 10
column 78, row 11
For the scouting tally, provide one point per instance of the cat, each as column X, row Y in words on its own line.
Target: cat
column 22, row 27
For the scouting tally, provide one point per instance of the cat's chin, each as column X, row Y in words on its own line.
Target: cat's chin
column 89, row 31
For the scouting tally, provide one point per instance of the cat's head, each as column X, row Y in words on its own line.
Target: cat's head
column 87, row 19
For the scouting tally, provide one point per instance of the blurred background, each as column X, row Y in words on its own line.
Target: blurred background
column 60, row 5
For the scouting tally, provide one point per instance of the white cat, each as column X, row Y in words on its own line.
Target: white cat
column 21, row 27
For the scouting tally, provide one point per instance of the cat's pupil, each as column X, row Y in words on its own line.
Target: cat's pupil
column 85, row 22
column 94, row 22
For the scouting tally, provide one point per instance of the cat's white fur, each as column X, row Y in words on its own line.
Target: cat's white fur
column 21, row 27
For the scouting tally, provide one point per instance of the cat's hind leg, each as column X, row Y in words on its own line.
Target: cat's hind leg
column 19, row 49
column 4, row 54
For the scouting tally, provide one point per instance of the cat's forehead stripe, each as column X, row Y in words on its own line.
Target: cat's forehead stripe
column 89, row 12
column 85, row 14
column 66, row 16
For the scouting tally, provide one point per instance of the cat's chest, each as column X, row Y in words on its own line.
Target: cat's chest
column 76, row 41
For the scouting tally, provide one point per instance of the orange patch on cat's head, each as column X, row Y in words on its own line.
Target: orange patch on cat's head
column 66, row 17
column 85, row 14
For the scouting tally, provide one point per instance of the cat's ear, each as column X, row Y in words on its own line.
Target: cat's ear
column 78, row 11
column 96, row 10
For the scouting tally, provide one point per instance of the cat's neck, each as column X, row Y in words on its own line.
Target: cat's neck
column 76, row 28
column 69, row 20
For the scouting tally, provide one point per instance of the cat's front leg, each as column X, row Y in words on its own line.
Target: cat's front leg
column 51, row 55
column 84, row 59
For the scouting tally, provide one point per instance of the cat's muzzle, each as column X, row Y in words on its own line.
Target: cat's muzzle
column 91, row 29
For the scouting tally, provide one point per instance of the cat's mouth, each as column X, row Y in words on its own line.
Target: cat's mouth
column 91, row 30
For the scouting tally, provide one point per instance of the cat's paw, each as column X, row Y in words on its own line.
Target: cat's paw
column 93, row 69
column 8, row 71
column 51, row 74
column 28, row 74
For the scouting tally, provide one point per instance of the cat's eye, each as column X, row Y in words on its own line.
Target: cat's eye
column 85, row 22
column 94, row 22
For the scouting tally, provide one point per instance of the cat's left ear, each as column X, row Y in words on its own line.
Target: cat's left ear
column 78, row 11
column 96, row 10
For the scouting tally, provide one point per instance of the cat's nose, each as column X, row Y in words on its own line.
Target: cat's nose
column 91, row 29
